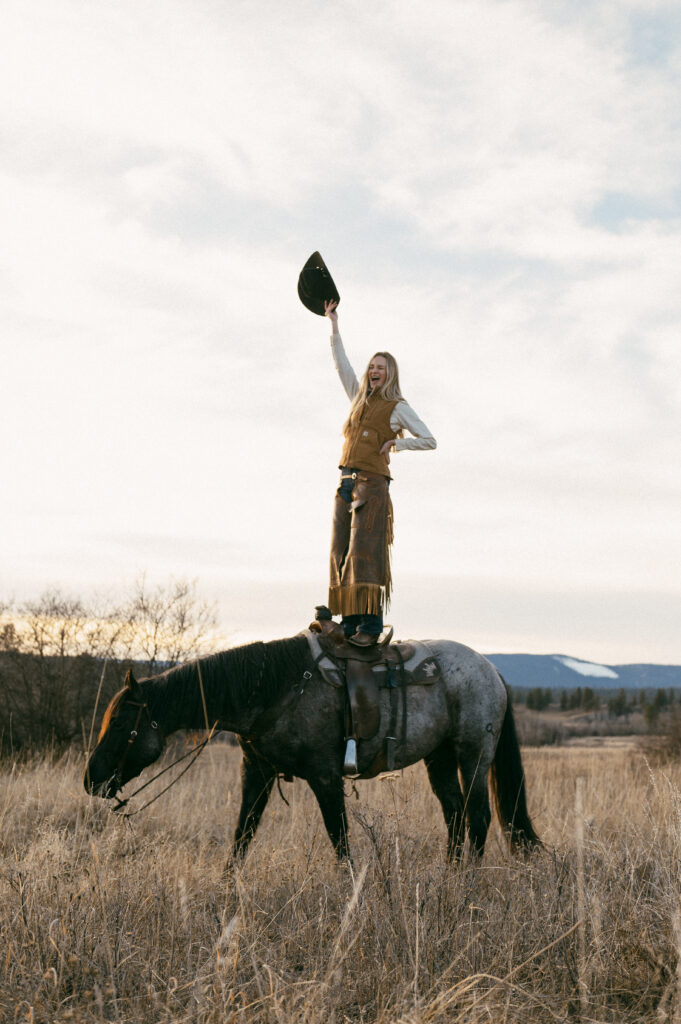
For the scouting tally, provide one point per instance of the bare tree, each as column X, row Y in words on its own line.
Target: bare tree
column 166, row 624
column 53, row 652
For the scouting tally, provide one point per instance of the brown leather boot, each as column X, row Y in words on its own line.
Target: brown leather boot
column 362, row 639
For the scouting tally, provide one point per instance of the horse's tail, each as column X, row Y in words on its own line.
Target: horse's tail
column 508, row 784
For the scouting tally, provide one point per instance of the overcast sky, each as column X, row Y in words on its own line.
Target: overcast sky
column 496, row 188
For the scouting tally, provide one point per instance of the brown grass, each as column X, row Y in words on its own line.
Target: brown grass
column 101, row 920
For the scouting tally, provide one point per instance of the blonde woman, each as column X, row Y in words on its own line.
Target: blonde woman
column 360, row 580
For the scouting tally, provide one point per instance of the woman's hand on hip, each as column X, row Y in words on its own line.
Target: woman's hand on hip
column 386, row 449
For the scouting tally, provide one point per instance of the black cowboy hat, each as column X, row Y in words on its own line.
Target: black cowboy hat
column 315, row 285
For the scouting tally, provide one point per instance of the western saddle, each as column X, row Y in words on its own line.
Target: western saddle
column 363, row 671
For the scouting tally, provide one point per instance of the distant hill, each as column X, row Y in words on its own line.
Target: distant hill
column 560, row 672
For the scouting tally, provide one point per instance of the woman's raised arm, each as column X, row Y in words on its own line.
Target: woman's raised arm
column 332, row 313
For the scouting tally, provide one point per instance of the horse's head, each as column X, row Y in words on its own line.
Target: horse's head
column 128, row 741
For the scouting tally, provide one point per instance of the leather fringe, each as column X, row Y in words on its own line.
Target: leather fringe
column 389, row 537
column 358, row 598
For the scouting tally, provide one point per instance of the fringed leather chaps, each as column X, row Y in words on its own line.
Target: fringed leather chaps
column 362, row 534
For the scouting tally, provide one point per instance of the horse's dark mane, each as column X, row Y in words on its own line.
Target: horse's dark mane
column 256, row 673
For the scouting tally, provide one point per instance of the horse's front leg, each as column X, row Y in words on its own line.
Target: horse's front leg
column 331, row 800
column 257, row 778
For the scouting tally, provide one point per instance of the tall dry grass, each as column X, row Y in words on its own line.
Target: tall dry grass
column 103, row 920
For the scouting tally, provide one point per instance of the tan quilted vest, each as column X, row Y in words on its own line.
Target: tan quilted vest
column 363, row 442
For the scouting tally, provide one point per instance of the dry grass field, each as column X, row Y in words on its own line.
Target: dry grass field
column 107, row 920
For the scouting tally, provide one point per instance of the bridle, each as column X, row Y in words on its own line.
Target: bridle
column 143, row 707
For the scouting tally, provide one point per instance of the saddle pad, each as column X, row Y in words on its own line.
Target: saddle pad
column 421, row 668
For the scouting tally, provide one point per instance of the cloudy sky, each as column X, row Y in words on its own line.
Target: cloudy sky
column 496, row 188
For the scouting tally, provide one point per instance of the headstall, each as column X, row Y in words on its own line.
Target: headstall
column 141, row 706
column 194, row 753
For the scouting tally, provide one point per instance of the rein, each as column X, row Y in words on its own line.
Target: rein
column 261, row 720
column 120, row 804
column 143, row 706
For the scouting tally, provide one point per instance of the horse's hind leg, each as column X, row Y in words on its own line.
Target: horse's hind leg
column 443, row 774
column 474, row 772
column 257, row 778
column 331, row 800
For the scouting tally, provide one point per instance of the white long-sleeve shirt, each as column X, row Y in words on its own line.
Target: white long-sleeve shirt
column 402, row 416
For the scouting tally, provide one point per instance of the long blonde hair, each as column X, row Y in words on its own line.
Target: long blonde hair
column 390, row 389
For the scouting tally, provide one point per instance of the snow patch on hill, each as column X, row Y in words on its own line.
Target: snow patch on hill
column 587, row 668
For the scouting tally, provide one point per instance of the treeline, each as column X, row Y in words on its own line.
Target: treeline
column 584, row 698
column 60, row 656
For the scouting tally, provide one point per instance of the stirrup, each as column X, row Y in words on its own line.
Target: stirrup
column 350, row 761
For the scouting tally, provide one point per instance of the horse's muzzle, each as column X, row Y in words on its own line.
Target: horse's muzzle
column 106, row 789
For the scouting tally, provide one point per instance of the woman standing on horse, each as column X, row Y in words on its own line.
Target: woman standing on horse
column 360, row 580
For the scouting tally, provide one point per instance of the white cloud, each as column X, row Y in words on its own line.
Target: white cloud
column 167, row 170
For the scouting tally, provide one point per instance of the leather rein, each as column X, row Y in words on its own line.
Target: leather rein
column 143, row 707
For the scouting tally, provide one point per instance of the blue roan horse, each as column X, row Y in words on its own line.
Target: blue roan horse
column 290, row 720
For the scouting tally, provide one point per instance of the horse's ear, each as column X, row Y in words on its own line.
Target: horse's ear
column 131, row 684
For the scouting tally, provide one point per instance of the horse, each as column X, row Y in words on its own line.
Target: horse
column 289, row 721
